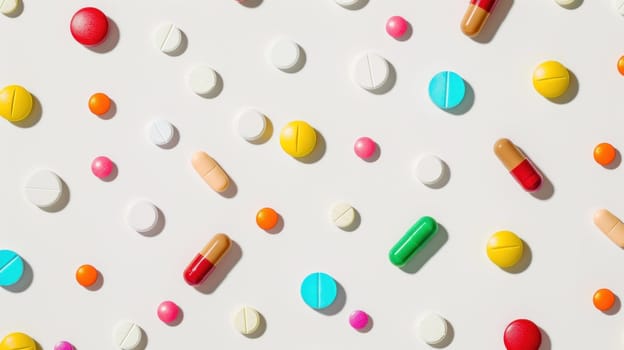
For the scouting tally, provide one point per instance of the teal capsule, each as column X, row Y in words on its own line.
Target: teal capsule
column 413, row 241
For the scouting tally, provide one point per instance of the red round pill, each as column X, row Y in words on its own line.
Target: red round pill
column 89, row 26
column 522, row 335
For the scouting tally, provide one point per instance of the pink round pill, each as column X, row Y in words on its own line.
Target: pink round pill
column 365, row 147
column 358, row 319
column 396, row 26
column 63, row 345
column 102, row 167
column 168, row 311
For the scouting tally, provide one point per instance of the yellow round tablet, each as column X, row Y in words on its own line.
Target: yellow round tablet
column 551, row 79
column 298, row 138
column 504, row 249
column 18, row 341
column 15, row 103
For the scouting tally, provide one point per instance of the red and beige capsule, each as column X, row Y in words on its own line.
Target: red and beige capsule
column 518, row 165
column 205, row 261
column 610, row 225
column 476, row 15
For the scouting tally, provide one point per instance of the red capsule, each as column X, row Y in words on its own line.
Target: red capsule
column 518, row 165
column 205, row 261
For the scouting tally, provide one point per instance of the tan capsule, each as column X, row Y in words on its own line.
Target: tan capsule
column 610, row 225
column 476, row 15
column 210, row 171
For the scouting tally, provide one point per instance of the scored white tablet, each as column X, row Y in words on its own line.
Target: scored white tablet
column 43, row 188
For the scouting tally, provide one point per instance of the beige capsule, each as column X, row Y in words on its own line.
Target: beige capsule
column 610, row 225
column 209, row 170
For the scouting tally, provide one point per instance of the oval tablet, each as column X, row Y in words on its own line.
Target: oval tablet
column 432, row 329
column 143, row 216
column 447, row 89
column 210, row 171
column 9, row 7
column 342, row 215
column 251, row 125
column 161, row 132
column 167, row 38
column 319, row 290
column 371, row 71
column 18, row 341
column 430, row 170
column 127, row 335
column 246, row 320
column 11, row 268
column 203, row 80
column 43, row 188
column 610, row 225
column 285, row 54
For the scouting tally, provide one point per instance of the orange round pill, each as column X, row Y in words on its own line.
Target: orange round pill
column 620, row 65
column 86, row 275
column 604, row 299
column 604, row 154
column 99, row 103
column 267, row 218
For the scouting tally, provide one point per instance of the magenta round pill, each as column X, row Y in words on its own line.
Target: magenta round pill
column 102, row 167
column 365, row 147
column 396, row 26
column 63, row 345
column 358, row 319
column 168, row 311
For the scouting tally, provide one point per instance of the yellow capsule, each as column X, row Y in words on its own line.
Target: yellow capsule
column 298, row 139
column 505, row 249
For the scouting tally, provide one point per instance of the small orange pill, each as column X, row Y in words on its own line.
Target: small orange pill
column 604, row 299
column 99, row 103
column 267, row 218
column 620, row 65
column 86, row 275
column 604, row 154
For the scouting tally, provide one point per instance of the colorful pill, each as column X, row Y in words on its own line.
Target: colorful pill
column 604, row 299
column 365, row 147
column 16, row 103
column 207, row 259
column 396, row 26
column 476, row 15
column 610, row 225
column 267, row 218
column 11, row 268
column 63, row 345
column 551, row 79
column 102, row 167
column 522, row 335
column 620, row 65
column 319, row 290
column 210, row 171
column 604, row 154
column 99, row 103
column 298, row 139
column 89, row 26
column 18, row 341
column 86, row 275
column 414, row 240
column 518, row 165
column 447, row 90
column 504, row 249
column 359, row 320
column 168, row 311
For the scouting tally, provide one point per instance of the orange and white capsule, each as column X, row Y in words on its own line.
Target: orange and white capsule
column 210, row 171
column 610, row 225
column 476, row 15
column 518, row 165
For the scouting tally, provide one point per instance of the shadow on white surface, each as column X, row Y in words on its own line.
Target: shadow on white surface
column 261, row 328
column 174, row 140
column 616, row 162
column 62, row 202
column 318, row 152
column 466, row 104
column 357, row 220
column 111, row 111
column 99, row 282
column 430, row 248
column 571, row 93
column 617, row 305
column 159, row 227
column 375, row 155
column 407, row 35
column 24, row 282
column 231, row 191
column 446, row 177
column 268, row 133
column 450, row 335
column 250, row 3
column 178, row 319
column 182, row 48
column 278, row 227
column 18, row 11
column 357, row 6
column 525, row 261
column 546, row 344
column 573, row 5
column 113, row 174
column 339, row 303
column 501, row 10
column 369, row 325
column 221, row 270
column 144, row 341
column 34, row 117
column 216, row 90
column 301, row 62
column 111, row 40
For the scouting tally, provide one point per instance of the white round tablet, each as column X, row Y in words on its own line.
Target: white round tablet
column 371, row 71
column 251, row 125
column 161, row 132
column 167, row 38
column 246, row 320
column 342, row 214
column 619, row 6
column 143, row 216
column 43, row 188
column 285, row 54
column 203, row 80
column 8, row 7
column 347, row 3
column 127, row 335
column 432, row 329
column 430, row 170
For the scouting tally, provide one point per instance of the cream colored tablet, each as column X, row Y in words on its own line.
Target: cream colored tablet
column 246, row 320
column 167, row 38
column 342, row 215
column 43, row 188
column 610, row 225
column 203, row 80
column 210, row 171
column 565, row 2
column 127, row 335
column 432, row 329
column 8, row 7
column 370, row 71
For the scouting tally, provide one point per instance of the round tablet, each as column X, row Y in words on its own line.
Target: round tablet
column 298, row 138
column 168, row 311
column 89, row 26
column 203, row 80
column 285, row 54
column 161, row 132
column 63, row 345
column 267, row 218
column 604, row 299
column 504, row 249
column 246, row 320
column 143, row 216
column 396, row 26
column 99, row 103
column 319, row 290
column 371, row 71
column 16, row 103
column 365, row 147
column 522, row 335
column 342, row 215
column 167, row 38
column 102, row 167
column 18, row 341
column 447, row 89
column 565, row 2
column 432, row 329
column 127, row 335
column 251, row 125
column 43, row 188
column 8, row 7
column 11, row 268
column 620, row 65
column 551, row 79
column 604, row 154
column 358, row 319
column 86, row 275
column 430, row 170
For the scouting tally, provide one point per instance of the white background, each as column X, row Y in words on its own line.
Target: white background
column 570, row 258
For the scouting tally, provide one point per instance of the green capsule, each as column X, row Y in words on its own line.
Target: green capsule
column 416, row 237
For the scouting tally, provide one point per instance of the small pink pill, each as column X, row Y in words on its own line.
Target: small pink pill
column 358, row 319
column 63, row 345
column 102, row 167
column 365, row 147
column 168, row 311
column 396, row 26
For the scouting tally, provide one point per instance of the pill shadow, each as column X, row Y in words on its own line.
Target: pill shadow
column 182, row 48
column 112, row 110
column 159, row 227
column 174, row 140
column 18, row 11
column 318, row 152
column 546, row 343
column 368, row 327
column 570, row 93
column 421, row 258
column 231, row 191
column 525, row 260
column 268, row 133
column 547, row 189
column 113, row 174
column 407, row 35
column 178, row 319
column 250, row 3
column 144, row 341
column 262, row 327
column 444, row 180
column 574, row 5
column 221, row 270
column 278, row 227
column 301, row 62
column 62, row 202
column 392, row 77
column 111, row 40
column 450, row 335
column 99, row 282
column 617, row 305
column 616, row 162
column 357, row 220
column 338, row 304
column 38, row 346
column 466, row 104
column 34, row 117
column 375, row 155
column 24, row 282
column 217, row 89
column 357, row 6
column 494, row 21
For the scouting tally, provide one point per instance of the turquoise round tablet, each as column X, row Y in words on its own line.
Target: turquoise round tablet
column 319, row 290
column 11, row 268
column 447, row 89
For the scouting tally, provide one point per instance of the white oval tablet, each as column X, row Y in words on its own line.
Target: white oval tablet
column 8, row 7
column 167, row 38
column 43, row 188
column 127, row 335
column 203, row 80
column 342, row 215
column 285, row 54
column 142, row 216
column 251, row 125
column 246, row 320
column 347, row 3
column 430, row 170
column 161, row 132
column 432, row 329
column 371, row 71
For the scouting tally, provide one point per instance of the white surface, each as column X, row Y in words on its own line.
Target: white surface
column 203, row 80
column 571, row 258
column 246, row 320
column 161, row 132
column 167, row 38
column 8, row 7
column 285, row 54
column 127, row 335
column 142, row 216
column 251, row 125
column 370, row 71
column 429, row 169
column 342, row 214
column 43, row 188
column 432, row 329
